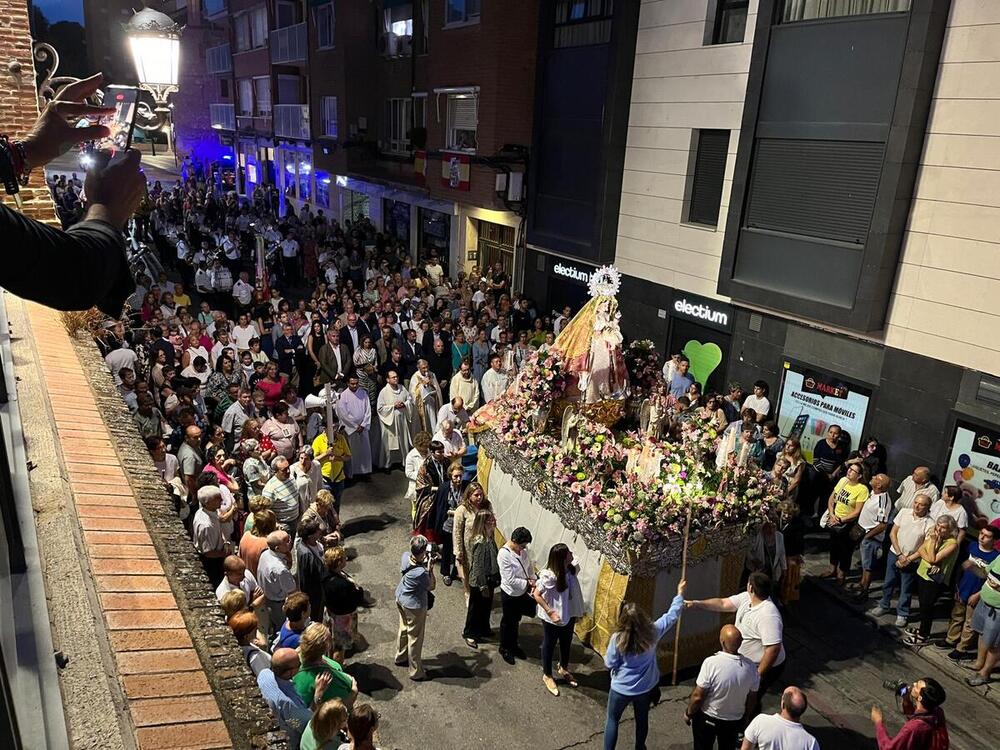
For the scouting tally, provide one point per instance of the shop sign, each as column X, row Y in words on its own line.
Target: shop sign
column 974, row 465
column 702, row 310
column 568, row 271
column 812, row 400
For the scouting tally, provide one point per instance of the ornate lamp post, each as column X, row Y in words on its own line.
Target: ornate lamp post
column 155, row 41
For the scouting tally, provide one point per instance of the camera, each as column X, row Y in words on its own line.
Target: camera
column 899, row 688
column 433, row 551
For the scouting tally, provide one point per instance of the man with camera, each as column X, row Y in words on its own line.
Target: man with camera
column 925, row 726
column 413, row 600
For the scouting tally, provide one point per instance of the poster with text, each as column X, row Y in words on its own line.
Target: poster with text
column 812, row 400
column 974, row 465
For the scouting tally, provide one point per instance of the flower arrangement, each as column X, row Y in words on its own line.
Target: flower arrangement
column 644, row 366
column 543, row 378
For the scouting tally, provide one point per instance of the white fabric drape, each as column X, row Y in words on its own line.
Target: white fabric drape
column 805, row 10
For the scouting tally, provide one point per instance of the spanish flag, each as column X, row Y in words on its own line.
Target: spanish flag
column 455, row 170
column 420, row 166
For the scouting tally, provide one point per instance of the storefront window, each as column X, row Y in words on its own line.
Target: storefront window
column 305, row 178
column 323, row 189
column 396, row 220
column 357, row 206
column 435, row 234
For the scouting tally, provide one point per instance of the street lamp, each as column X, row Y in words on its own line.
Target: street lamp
column 155, row 41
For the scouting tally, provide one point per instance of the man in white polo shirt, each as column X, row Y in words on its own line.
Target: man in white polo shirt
column 760, row 624
column 784, row 730
column 723, row 693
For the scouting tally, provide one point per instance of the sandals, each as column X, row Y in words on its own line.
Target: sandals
column 569, row 678
column 550, row 685
column 471, row 643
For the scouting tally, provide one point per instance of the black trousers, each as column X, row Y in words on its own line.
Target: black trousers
column 708, row 731
column 927, row 593
column 477, row 616
column 553, row 635
column 448, row 556
column 513, row 609
column 213, row 569
column 842, row 547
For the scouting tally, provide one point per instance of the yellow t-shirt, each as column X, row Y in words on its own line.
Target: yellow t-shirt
column 331, row 467
column 847, row 497
column 182, row 300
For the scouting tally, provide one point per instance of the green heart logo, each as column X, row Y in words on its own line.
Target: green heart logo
column 704, row 359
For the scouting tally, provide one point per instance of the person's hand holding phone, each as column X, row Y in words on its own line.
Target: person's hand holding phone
column 55, row 131
column 114, row 187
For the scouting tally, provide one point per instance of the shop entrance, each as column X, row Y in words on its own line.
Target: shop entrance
column 495, row 245
column 707, row 349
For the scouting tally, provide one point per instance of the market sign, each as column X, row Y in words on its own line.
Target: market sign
column 812, row 400
column 974, row 465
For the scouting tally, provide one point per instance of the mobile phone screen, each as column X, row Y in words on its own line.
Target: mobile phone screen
column 125, row 100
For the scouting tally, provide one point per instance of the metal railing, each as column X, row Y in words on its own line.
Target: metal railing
column 289, row 44
column 223, row 116
column 292, row 121
column 219, row 59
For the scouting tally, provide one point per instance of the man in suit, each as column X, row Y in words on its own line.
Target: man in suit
column 354, row 332
column 386, row 342
column 412, row 352
column 434, row 335
column 335, row 361
column 288, row 348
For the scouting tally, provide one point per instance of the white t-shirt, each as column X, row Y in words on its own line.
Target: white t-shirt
column 959, row 514
column 760, row 405
column 760, row 625
column 727, row 679
column 248, row 585
column 875, row 511
column 910, row 531
column 289, row 248
column 775, row 732
column 241, row 336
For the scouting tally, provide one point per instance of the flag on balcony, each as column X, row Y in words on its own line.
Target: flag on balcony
column 455, row 170
column 420, row 166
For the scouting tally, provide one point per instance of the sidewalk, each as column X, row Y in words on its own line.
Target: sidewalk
column 817, row 562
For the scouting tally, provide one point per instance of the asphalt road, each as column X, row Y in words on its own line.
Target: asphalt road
column 475, row 700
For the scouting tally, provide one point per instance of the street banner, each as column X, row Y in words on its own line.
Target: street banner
column 811, row 400
column 455, row 170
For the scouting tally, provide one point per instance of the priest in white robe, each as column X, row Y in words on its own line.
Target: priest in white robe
column 395, row 414
column 495, row 379
column 464, row 386
column 427, row 399
column 354, row 409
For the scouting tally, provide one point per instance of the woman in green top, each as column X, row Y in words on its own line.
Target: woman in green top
column 326, row 729
column 937, row 558
column 314, row 645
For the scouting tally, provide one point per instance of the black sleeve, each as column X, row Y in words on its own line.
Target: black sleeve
column 71, row 270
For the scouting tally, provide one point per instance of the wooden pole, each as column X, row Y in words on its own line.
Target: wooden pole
column 328, row 396
column 680, row 616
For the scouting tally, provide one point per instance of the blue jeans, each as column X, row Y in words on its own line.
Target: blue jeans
column 337, row 490
column 617, row 703
column 906, row 578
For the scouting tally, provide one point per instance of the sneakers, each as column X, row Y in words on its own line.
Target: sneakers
column 976, row 680
column 942, row 644
column 915, row 639
column 878, row 611
column 507, row 656
column 446, row 580
column 901, row 622
column 957, row 655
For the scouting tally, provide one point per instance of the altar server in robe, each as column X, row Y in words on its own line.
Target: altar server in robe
column 395, row 414
column 354, row 409
column 495, row 379
column 426, row 393
column 464, row 386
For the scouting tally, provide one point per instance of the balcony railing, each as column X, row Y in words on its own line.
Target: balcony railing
column 292, row 121
column 219, row 59
column 223, row 116
column 288, row 45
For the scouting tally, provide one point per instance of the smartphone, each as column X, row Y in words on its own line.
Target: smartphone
column 121, row 123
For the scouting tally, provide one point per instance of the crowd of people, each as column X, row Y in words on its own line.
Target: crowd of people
column 263, row 396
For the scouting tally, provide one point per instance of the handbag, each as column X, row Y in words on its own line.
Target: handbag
column 857, row 533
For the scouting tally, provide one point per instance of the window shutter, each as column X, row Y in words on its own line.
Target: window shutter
column 330, row 116
column 464, row 114
column 709, row 172
column 815, row 188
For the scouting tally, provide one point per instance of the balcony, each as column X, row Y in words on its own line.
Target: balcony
column 218, row 59
column 289, row 45
column 292, row 121
column 223, row 116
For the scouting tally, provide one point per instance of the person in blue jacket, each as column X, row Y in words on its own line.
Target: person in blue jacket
column 631, row 657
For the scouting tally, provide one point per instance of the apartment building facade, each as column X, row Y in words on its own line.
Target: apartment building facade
column 416, row 114
column 808, row 197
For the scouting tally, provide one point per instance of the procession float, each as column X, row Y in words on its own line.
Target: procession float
column 585, row 448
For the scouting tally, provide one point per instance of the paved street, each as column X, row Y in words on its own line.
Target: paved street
column 475, row 700
column 159, row 167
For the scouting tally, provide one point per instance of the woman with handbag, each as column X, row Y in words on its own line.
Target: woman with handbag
column 560, row 601
column 484, row 577
column 635, row 674
column 843, row 508
column 937, row 559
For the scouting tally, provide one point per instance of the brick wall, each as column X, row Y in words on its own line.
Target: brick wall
column 18, row 107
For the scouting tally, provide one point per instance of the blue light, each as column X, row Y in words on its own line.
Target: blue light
column 227, row 157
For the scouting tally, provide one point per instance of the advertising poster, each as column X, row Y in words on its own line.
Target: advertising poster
column 974, row 465
column 812, row 400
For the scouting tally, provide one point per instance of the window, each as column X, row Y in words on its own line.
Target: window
column 463, row 119
column 224, row 88
column 330, row 116
column 398, row 114
column 730, row 21
column 241, row 23
column 709, row 171
column 258, row 26
column 244, row 89
column 420, row 111
column 461, row 11
column 284, row 14
column 262, row 95
column 396, row 38
column 323, row 15
column 808, row 10
column 583, row 22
